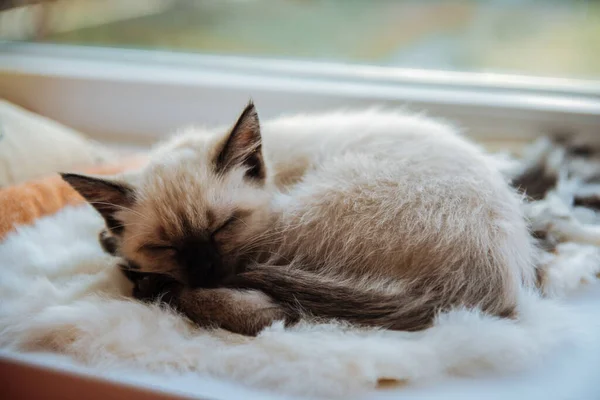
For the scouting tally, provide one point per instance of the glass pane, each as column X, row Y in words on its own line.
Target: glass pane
column 543, row 37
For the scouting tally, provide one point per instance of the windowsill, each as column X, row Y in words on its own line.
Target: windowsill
column 138, row 96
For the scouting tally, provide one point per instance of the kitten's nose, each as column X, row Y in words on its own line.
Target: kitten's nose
column 201, row 263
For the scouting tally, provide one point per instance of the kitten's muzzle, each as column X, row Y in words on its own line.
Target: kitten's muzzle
column 201, row 264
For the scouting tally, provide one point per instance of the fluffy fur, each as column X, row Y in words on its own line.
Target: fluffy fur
column 379, row 218
column 561, row 177
column 59, row 292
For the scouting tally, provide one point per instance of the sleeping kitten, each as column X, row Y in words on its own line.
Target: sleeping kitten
column 380, row 219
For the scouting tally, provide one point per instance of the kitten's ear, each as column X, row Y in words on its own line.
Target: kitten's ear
column 106, row 196
column 243, row 146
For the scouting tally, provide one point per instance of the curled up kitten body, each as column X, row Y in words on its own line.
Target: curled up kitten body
column 378, row 218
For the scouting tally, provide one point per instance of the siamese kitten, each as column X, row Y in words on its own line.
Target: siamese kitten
column 377, row 218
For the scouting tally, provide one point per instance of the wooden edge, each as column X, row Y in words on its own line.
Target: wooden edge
column 27, row 381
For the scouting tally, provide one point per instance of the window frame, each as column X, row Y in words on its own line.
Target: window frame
column 141, row 95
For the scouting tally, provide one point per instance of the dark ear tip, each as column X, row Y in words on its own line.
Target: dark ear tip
column 68, row 176
column 250, row 108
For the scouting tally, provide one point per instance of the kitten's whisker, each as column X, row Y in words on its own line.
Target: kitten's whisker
column 126, row 267
column 133, row 224
column 240, row 220
column 258, row 241
column 118, row 206
column 138, row 235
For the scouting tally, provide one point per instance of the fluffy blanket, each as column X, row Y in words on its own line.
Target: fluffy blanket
column 60, row 293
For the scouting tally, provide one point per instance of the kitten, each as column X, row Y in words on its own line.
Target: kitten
column 377, row 218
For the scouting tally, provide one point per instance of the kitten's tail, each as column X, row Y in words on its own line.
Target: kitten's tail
column 301, row 292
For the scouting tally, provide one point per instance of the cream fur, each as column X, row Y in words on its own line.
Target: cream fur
column 388, row 201
column 60, row 293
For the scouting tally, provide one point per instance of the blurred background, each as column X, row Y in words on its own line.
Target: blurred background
column 85, row 85
column 506, row 71
column 532, row 37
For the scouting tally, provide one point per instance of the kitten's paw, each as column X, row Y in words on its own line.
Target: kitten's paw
column 153, row 287
column 150, row 287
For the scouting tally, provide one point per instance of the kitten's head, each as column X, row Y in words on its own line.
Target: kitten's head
column 194, row 211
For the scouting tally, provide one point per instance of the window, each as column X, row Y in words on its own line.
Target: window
column 499, row 67
column 544, row 38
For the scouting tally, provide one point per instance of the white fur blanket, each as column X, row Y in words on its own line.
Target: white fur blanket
column 60, row 293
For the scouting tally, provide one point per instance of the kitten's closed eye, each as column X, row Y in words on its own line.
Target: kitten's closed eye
column 170, row 247
column 226, row 224
column 223, row 232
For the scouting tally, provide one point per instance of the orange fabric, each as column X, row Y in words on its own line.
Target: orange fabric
column 23, row 204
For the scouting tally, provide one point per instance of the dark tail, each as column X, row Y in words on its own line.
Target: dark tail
column 301, row 292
